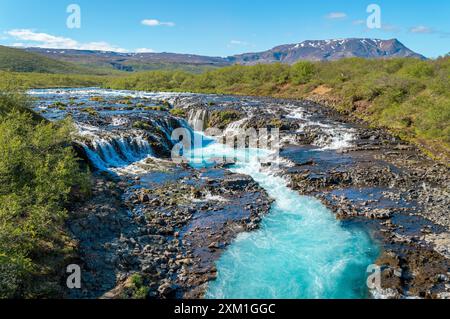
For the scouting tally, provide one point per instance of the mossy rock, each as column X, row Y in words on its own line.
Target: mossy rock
column 178, row 112
column 141, row 125
column 221, row 119
column 58, row 105
column 97, row 99
column 91, row 111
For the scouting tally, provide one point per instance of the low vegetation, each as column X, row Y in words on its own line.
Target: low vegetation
column 178, row 112
column 39, row 175
column 221, row 119
column 141, row 125
column 42, row 80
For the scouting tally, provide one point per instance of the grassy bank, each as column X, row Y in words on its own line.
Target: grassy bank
column 44, row 80
column 39, row 176
column 409, row 97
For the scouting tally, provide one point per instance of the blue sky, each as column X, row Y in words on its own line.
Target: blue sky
column 220, row 28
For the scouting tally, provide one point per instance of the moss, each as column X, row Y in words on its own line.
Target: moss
column 97, row 99
column 124, row 101
column 276, row 123
column 155, row 108
column 58, row 104
column 141, row 125
column 91, row 111
column 221, row 119
column 178, row 112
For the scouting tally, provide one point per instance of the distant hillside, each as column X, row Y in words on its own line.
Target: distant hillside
column 17, row 60
column 329, row 50
column 103, row 61
column 131, row 62
column 321, row 50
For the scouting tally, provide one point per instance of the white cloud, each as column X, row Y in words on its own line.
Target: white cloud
column 45, row 40
column 421, row 29
column 156, row 23
column 359, row 22
column 233, row 44
column 144, row 50
column 386, row 27
column 336, row 15
column 238, row 42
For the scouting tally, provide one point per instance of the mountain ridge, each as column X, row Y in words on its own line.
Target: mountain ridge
column 329, row 50
column 309, row 50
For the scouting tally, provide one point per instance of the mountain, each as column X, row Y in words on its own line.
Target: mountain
column 132, row 61
column 319, row 50
column 329, row 50
column 17, row 60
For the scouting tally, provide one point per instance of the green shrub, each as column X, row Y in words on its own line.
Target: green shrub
column 302, row 72
column 38, row 172
column 138, row 288
column 418, row 69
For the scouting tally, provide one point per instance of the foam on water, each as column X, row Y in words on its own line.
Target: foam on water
column 301, row 250
column 334, row 137
column 113, row 151
column 106, row 92
column 235, row 128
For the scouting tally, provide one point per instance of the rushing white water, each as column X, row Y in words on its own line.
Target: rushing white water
column 109, row 151
column 197, row 119
column 106, row 92
column 334, row 137
column 106, row 153
column 235, row 128
column 301, row 250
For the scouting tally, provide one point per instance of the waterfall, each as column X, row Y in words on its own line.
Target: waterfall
column 235, row 128
column 106, row 149
column 118, row 151
column 198, row 119
column 118, row 148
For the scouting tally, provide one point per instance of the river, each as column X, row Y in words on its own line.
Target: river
column 300, row 251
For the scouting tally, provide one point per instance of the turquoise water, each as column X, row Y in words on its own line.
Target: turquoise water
column 301, row 250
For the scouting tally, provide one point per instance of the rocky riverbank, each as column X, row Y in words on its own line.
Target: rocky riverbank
column 377, row 180
column 159, row 235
